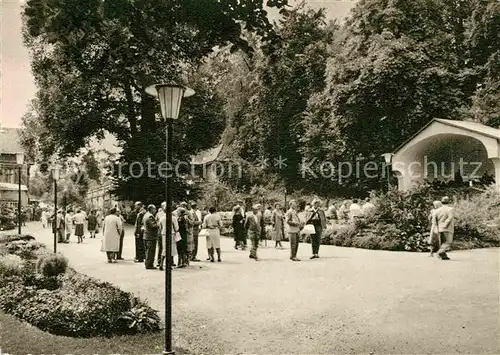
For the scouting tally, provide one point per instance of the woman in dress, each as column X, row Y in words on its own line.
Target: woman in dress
column 238, row 228
column 213, row 223
column 434, row 240
column 79, row 221
column 278, row 225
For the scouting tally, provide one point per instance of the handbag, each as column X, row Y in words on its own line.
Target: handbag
column 204, row 233
column 177, row 237
column 308, row 229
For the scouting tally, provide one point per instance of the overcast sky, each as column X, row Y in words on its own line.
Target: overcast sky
column 17, row 86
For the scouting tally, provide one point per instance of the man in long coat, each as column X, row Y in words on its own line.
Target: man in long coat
column 112, row 228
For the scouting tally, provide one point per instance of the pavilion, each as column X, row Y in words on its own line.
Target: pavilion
column 445, row 150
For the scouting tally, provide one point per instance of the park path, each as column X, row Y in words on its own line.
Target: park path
column 348, row 301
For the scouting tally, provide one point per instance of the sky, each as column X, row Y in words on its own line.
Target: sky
column 17, row 86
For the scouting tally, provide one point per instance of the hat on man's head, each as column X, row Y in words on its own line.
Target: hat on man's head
column 445, row 200
column 150, row 207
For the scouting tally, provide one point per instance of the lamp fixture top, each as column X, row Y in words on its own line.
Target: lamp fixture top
column 153, row 89
column 388, row 157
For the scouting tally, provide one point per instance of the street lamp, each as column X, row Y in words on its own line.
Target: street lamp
column 55, row 177
column 388, row 162
column 20, row 162
column 170, row 96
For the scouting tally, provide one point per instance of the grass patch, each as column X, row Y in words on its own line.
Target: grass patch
column 20, row 338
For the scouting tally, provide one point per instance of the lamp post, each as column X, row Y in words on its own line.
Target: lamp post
column 388, row 162
column 20, row 162
column 55, row 177
column 170, row 97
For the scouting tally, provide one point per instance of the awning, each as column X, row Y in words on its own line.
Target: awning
column 12, row 187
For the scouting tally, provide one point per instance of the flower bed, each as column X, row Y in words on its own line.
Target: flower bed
column 38, row 287
column 401, row 222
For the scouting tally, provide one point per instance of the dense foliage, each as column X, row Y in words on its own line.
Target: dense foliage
column 37, row 287
column 7, row 218
column 305, row 90
column 92, row 61
column 401, row 221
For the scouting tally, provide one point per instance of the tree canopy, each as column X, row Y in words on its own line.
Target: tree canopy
column 301, row 90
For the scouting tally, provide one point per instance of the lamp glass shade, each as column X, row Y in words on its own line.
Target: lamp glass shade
column 20, row 158
column 170, row 97
column 387, row 157
column 55, row 173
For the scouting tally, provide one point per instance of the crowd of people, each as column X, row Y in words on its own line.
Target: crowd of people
column 258, row 225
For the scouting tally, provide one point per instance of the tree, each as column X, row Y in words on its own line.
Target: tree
column 396, row 66
column 92, row 61
column 273, row 87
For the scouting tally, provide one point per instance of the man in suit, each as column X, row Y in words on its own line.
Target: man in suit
column 138, row 233
column 316, row 217
column 446, row 227
column 197, row 218
column 150, row 236
column 254, row 226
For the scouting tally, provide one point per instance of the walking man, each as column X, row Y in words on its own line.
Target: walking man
column 253, row 226
column 150, row 236
column 138, row 233
column 293, row 222
column 446, row 227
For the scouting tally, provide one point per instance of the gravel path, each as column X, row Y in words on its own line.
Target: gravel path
column 348, row 301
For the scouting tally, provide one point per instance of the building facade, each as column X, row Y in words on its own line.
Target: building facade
column 9, row 171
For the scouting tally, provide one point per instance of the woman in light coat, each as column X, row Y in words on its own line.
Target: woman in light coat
column 112, row 228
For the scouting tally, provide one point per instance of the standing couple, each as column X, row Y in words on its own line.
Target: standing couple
column 297, row 217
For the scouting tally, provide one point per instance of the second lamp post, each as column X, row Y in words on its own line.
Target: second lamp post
column 170, row 97
column 20, row 162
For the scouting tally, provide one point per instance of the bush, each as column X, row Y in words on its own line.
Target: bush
column 141, row 318
column 400, row 222
column 26, row 249
column 75, row 305
column 7, row 217
column 6, row 238
column 48, row 295
column 52, row 265
column 11, row 265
